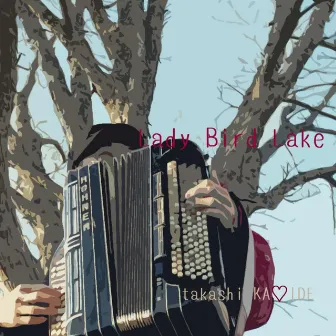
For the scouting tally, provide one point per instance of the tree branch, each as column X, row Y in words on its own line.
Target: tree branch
column 311, row 38
column 105, row 27
column 310, row 108
column 286, row 18
column 268, row 149
column 310, row 7
column 272, row 198
column 328, row 45
column 51, row 20
column 111, row 5
column 39, row 196
column 73, row 107
column 56, row 144
column 78, row 47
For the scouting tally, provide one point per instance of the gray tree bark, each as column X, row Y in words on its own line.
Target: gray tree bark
column 16, row 263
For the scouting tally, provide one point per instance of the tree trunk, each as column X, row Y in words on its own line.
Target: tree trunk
column 16, row 261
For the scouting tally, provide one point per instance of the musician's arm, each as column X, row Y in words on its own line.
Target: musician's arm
column 247, row 257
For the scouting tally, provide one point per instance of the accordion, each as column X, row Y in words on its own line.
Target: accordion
column 138, row 260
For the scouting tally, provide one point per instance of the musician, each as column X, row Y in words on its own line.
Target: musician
column 19, row 314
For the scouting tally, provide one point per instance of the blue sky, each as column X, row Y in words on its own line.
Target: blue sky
column 204, row 45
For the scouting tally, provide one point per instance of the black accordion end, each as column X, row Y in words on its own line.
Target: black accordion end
column 136, row 255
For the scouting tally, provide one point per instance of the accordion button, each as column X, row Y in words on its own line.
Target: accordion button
column 193, row 276
column 204, row 277
column 174, row 271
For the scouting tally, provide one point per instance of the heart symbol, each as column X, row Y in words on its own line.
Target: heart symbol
column 279, row 289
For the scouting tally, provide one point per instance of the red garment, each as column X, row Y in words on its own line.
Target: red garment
column 262, row 303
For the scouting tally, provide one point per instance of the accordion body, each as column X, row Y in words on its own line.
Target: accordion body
column 134, row 251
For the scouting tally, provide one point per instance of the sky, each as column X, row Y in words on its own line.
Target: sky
column 204, row 46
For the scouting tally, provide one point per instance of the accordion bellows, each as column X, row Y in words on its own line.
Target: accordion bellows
column 134, row 249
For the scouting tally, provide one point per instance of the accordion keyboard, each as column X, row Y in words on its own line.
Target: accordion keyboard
column 190, row 250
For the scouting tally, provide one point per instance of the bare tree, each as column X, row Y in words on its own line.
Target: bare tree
column 133, row 45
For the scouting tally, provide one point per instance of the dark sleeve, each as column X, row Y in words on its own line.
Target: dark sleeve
column 36, row 330
column 234, row 246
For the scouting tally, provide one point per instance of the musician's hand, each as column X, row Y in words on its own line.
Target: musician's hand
column 212, row 199
column 19, row 307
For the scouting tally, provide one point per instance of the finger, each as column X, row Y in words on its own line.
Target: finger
column 36, row 310
column 39, row 287
column 213, row 203
column 208, row 188
column 24, row 320
column 205, row 186
column 40, row 297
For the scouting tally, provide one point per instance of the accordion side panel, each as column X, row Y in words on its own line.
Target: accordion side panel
column 103, row 285
column 89, row 276
column 74, row 286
